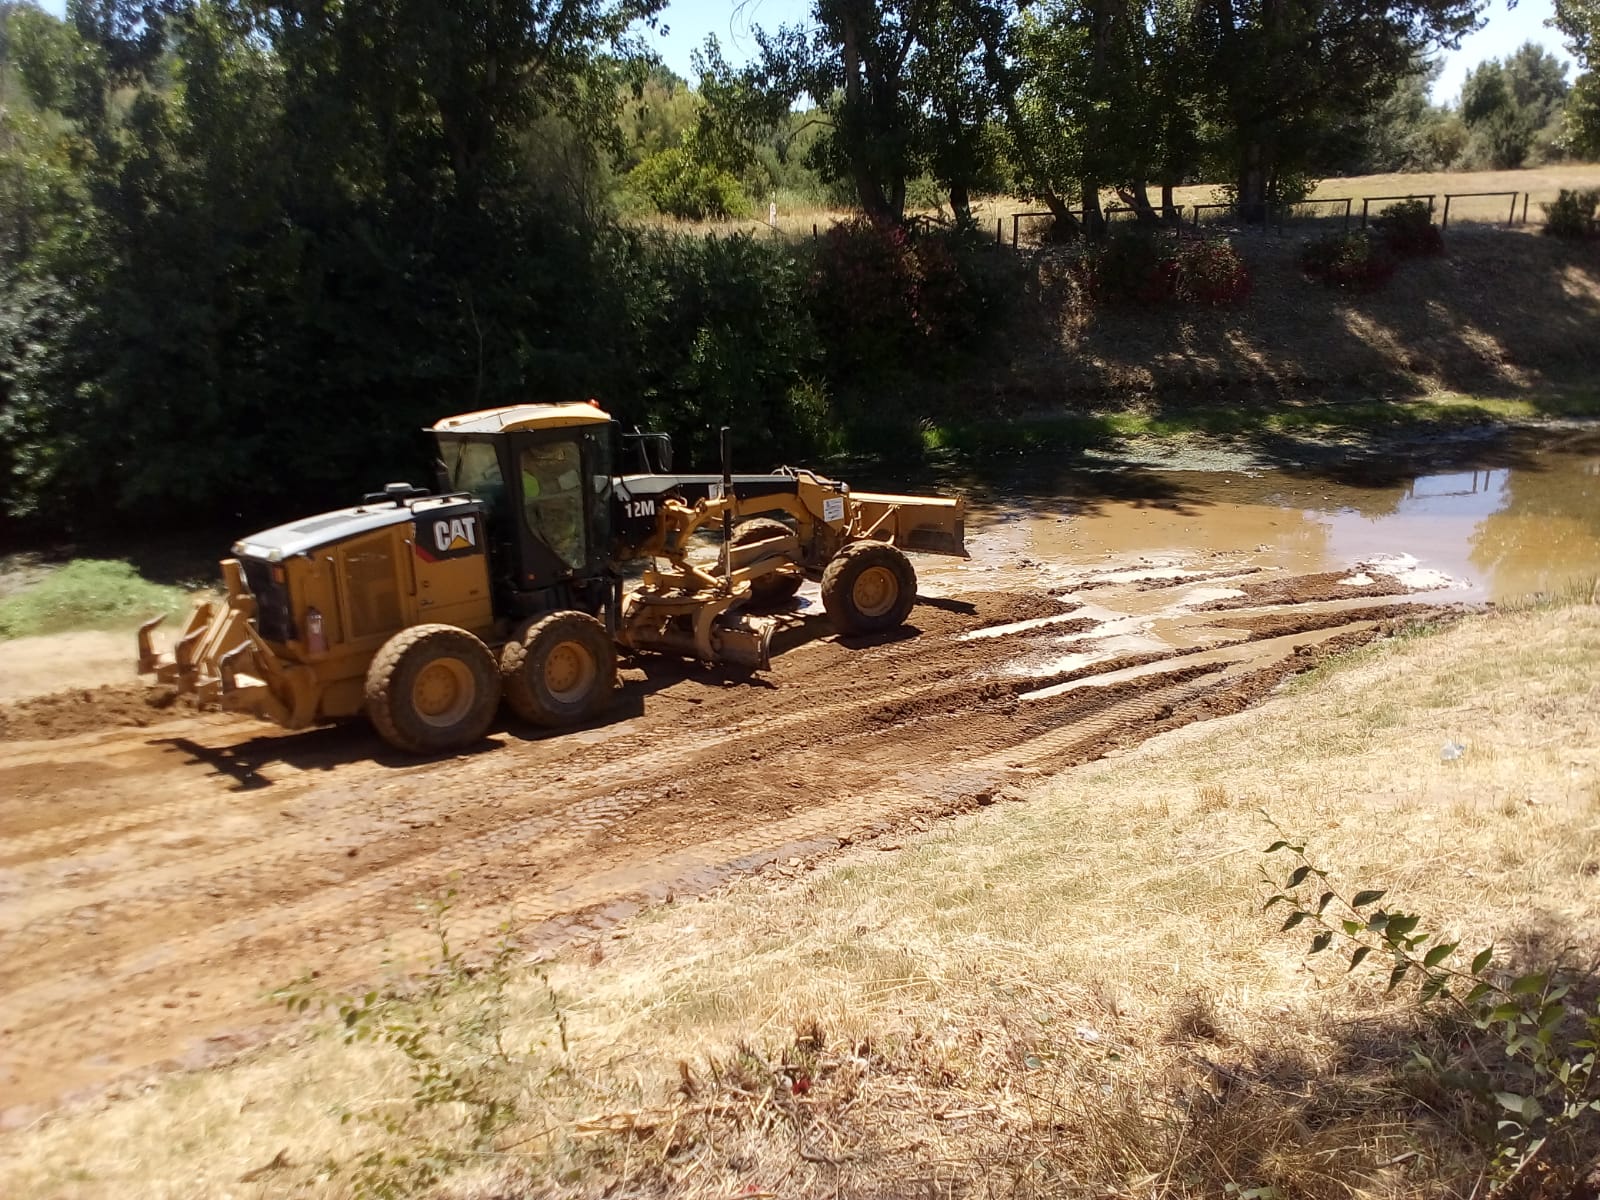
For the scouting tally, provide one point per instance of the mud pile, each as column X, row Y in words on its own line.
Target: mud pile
column 87, row 710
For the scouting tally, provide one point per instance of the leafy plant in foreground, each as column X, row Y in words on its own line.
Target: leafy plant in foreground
column 468, row 1084
column 1532, row 1039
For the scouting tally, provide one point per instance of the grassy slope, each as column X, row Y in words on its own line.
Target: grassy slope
column 1078, row 992
column 1490, row 317
column 84, row 594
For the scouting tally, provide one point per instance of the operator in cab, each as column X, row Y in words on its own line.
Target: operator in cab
column 552, row 498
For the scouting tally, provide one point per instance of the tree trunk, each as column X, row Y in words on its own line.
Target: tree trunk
column 1137, row 197
column 960, row 203
column 1169, row 210
column 1253, row 184
column 869, row 191
column 1094, row 221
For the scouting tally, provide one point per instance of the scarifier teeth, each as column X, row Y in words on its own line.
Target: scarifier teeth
column 744, row 641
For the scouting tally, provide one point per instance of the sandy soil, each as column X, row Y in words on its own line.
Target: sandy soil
column 158, row 879
column 41, row 666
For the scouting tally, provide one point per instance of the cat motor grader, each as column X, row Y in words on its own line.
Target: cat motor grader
column 424, row 608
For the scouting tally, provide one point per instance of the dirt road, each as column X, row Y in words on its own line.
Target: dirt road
column 157, row 880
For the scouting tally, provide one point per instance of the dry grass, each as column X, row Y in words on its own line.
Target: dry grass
column 1073, row 996
column 1541, row 183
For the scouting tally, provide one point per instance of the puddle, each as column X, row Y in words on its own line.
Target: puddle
column 1496, row 532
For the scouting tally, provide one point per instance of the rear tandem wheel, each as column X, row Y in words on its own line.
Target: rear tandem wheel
column 432, row 688
column 561, row 671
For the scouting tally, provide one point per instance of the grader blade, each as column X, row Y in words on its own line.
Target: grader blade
column 934, row 525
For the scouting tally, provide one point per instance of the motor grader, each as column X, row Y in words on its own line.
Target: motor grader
column 424, row 608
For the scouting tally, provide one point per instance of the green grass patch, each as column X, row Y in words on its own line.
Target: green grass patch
column 1076, row 431
column 87, row 594
column 1069, row 432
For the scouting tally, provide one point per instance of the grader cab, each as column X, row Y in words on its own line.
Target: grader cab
column 423, row 610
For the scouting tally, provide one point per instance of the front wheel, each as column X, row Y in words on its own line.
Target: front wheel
column 561, row 671
column 432, row 688
column 868, row 587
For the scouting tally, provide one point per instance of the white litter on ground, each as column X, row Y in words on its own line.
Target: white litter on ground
column 1205, row 595
column 1405, row 569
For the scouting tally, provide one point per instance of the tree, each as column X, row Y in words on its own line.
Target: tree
column 1508, row 104
column 1283, row 73
column 853, row 63
column 1408, row 132
column 1579, row 22
column 309, row 228
column 1082, row 98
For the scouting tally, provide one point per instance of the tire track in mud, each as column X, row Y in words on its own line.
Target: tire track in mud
column 151, row 902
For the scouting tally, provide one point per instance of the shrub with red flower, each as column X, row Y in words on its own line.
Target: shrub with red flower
column 1138, row 268
column 881, row 295
column 1212, row 272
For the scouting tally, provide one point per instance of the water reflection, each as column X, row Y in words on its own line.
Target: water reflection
column 1503, row 531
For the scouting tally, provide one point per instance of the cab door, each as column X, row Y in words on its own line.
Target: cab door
column 561, row 479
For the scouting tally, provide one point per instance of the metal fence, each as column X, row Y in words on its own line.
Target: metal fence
column 1509, row 211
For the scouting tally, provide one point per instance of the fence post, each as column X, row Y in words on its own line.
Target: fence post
column 1444, row 222
column 813, row 231
column 998, row 239
column 1525, row 196
column 1512, row 219
column 1349, row 204
column 1016, row 219
column 1363, row 212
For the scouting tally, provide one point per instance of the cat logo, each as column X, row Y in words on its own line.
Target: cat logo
column 446, row 537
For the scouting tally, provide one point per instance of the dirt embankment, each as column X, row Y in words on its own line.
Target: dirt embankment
column 1498, row 311
column 161, row 869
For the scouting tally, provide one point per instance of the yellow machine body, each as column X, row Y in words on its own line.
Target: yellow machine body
column 309, row 605
column 293, row 644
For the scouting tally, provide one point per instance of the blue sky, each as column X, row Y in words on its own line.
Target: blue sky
column 688, row 21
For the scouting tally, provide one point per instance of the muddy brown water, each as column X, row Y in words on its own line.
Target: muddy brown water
column 1513, row 519
column 157, row 879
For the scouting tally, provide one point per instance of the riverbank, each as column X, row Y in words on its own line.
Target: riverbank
column 1498, row 330
column 1070, row 988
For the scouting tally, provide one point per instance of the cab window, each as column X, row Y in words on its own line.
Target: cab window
column 552, row 498
column 475, row 467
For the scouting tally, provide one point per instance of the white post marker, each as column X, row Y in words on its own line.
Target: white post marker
column 772, row 215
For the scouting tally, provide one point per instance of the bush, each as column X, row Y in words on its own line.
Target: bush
column 720, row 336
column 1212, row 272
column 1355, row 261
column 680, row 186
column 1136, row 268
column 1407, row 230
column 1131, row 267
column 1572, row 215
column 882, row 297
